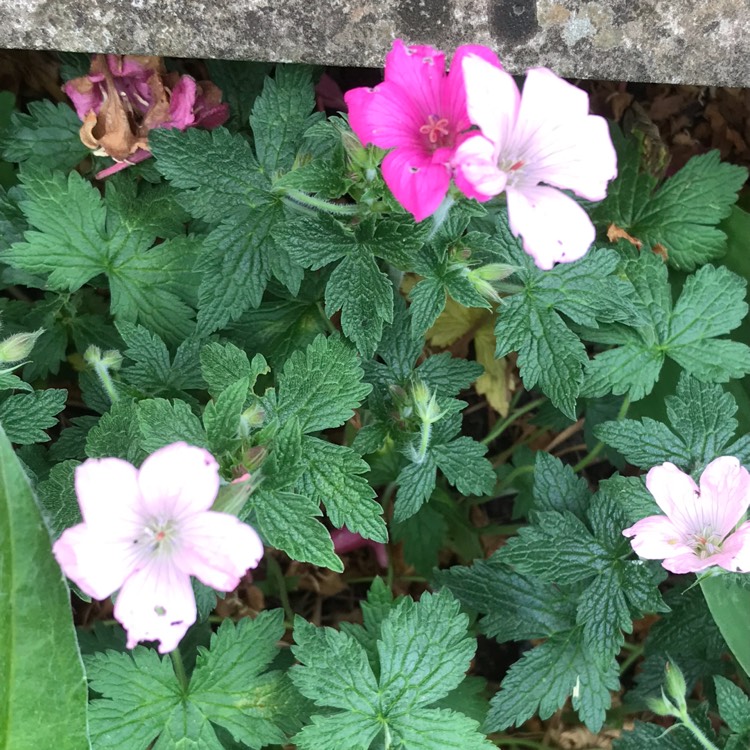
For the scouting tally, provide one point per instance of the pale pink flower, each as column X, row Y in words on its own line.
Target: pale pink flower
column 527, row 144
column 698, row 530
column 420, row 113
column 146, row 531
column 346, row 541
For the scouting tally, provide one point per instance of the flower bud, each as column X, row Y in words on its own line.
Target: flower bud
column 481, row 279
column 425, row 403
column 661, row 706
column 232, row 497
column 18, row 346
column 252, row 418
column 110, row 359
column 676, row 687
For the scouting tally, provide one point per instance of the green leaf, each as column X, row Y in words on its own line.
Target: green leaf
column 57, row 496
column 38, row 647
column 655, row 737
column 224, row 364
column 734, row 705
column 221, row 418
column 322, row 385
column 682, row 214
column 161, row 422
column 438, row 729
column 465, row 467
column 416, row 481
column 557, row 488
column 333, row 479
column 280, row 116
column 541, row 681
column 25, row 417
column 240, row 83
column 117, row 434
column 603, row 611
column 645, row 443
column 47, row 136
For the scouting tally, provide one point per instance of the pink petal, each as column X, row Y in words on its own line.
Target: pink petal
column 477, row 175
column 156, row 604
column 725, row 493
column 740, row 546
column 553, row 226
column 454, row 89
column 182, row 103
column 140, row 155
column 218, row 549
column 109, row 497
column 492, row 101
column 419, row 71
column 677, row 495
column 96, row 564
column 346, row 541
column 211, row 117
column 655, row 538
column 178, row 480
column 687, row 563
column 385, row 116
column 416, row 183
column 84, row 101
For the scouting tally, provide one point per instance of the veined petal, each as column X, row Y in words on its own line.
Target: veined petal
column 492, row 101
column 218, row 549
column 385, row 116
column 476, row 173
column 656, row 538
column 97, row 565
column 740, row 546
column 182, row 103
column 419, row 71
column 677, row 495
column 687, row 563
column 725, row 493
column 416, row 183
column 454, row 89
column 553, row 226
column 156, row 604
column 109, row 497
column 178, row 480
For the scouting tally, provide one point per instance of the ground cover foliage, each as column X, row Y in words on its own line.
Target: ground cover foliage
column 257, row 291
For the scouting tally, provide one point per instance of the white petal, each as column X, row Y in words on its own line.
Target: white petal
column 477, row 175
column 725, row 493
column 109, row 497
column 677, row 495
column 218, row 549
column 492, row 100
column 179, row 480
column 98, row 566
column 156, row 604
column 553, row 226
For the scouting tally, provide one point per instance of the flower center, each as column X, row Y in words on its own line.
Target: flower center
column 706, row 543
column 158, row 537
column 437, row 129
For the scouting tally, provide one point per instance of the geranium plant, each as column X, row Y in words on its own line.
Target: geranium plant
column 306, row 405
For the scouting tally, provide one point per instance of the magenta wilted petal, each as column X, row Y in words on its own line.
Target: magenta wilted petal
column 96, row 564
column 218, row 549
column 181, row 104
column 725, row 486
column 346, row 541
column 140, row 155
column 554, row 228
column 179, row 480
column 156, row 604
column 416, row 183
column 85, row 95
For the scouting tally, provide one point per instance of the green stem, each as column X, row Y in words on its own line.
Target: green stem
column 424, row 443
column 695, row 730
column 500, row 427
column 599, row 447
column 102, row 373
column 633, row 656
column 179, row 669
column 274, row 570
column 331, row 328
column 500, row 529
column 299, row 199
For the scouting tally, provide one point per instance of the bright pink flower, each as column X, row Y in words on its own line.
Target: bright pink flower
column 346, row 541
column 698, row 528
column 527, row 143
column 419, row 112
column 146, row 531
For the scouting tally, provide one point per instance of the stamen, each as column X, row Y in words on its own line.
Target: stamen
column 435, row 128
column 516, row 166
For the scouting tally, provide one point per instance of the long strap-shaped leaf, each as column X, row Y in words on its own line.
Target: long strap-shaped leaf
column 42, row 683
column 729, row 603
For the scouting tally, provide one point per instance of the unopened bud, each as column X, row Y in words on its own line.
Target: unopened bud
column 425, row 403
column 255, row 457
column 18, row 346
column 676, row 686
column 661, row 706
column 482, row 279
column 110, row 359
column 252, row 418
column 232, row 497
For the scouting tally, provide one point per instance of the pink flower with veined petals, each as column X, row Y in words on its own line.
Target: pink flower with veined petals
column 528, row 146
column 697, row 531
column 420, row 113
column 146, row 531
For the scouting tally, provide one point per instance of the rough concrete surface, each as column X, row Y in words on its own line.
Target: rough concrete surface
column 676, row 41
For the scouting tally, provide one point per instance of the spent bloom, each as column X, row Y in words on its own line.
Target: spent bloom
column 347, row 541
column 124, row 97
column 419, row 111
column 146, row 531
column 529, row 146
column 698, row 530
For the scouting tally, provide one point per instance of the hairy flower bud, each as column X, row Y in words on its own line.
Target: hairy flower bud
column 18, row 346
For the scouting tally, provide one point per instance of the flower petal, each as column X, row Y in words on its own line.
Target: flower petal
column 676, row 494
column 182, row 103
column 687, row 563
column 725, row 493
column 218, row 549
column 656, row 538
column 553, row 226
column 419, row 70
column 178, row 480
column 492, row 100
column 156, row 604
column 739, row 544
column 97, row 565
column 477, row 175
column 109, row 497
column 416, row 183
